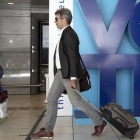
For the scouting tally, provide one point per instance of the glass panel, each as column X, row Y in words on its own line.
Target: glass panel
column 45, row 45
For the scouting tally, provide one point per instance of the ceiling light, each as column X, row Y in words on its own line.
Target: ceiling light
column 10, row 3
column 11, row 41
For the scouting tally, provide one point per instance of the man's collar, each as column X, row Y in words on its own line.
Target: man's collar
column 64, row 28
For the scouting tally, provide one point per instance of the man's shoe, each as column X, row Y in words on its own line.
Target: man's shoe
column 99, row 129
column 42, row 134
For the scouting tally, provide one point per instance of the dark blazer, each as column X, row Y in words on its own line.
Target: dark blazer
column 69, row 55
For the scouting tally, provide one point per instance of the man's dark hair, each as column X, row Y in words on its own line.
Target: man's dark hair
column 65, row 13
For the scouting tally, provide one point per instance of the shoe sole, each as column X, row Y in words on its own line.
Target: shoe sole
column 42, row 137
column 46, row 138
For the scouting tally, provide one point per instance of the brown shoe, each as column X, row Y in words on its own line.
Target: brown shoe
column 99, row 129
column 42, row 134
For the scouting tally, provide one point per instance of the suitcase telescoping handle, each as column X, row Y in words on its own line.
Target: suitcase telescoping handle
column 93, row 107
column 88, row 101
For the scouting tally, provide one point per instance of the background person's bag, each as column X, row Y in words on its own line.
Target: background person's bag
column 3, row 104
column 3, row 109
column 84, row 82
column 3, row 96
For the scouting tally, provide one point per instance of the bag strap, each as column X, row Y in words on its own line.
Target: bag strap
column 82, row 62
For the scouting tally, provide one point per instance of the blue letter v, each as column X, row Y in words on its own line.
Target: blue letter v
column 107, row 41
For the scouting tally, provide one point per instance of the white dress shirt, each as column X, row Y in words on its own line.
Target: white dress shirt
column 57, row 59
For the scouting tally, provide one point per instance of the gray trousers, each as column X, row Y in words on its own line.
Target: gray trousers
column 58, row 86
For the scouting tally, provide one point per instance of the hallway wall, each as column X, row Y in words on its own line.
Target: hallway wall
column 15, row 44
column 15, row 49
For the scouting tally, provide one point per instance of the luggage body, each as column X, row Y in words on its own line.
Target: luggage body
column 118, row 117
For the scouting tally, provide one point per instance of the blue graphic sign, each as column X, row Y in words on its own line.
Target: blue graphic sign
column 108, row 41
column 134, row 24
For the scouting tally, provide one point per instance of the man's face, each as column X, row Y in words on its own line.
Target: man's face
column 59, row 21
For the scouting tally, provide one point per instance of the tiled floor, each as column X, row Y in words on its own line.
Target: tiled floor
column 24, row 110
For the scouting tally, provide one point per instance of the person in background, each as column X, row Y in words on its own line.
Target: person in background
column 1, row 74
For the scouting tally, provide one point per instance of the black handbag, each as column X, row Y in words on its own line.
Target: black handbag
column 3, row 96
column 84, row 82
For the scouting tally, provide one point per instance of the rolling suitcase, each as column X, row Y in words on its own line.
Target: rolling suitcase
column 118, row 117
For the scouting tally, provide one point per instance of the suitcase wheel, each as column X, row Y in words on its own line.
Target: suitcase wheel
column 131, row 136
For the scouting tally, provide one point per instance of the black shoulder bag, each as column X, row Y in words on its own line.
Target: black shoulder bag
column 84, row 82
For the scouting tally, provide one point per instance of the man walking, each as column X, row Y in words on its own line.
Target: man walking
column 67, row 71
